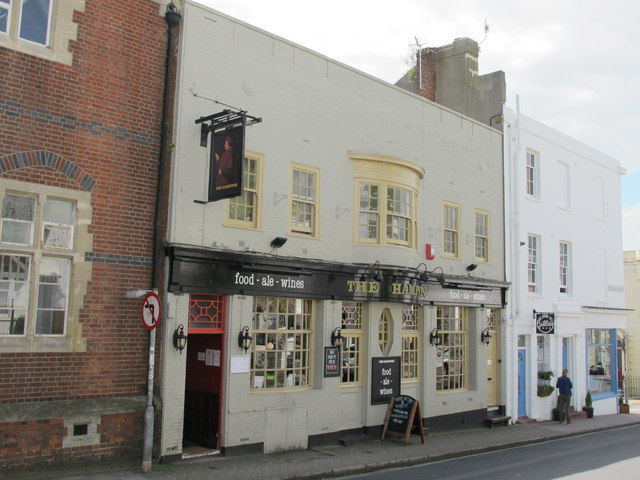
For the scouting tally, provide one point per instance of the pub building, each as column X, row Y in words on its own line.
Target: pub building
column 332, row 241
column 423, row 332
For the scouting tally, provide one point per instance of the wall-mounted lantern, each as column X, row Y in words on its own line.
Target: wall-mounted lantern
column 244, row 339
column 336, row 337
column 434, row 339
column 179, row 338
column 485, row 336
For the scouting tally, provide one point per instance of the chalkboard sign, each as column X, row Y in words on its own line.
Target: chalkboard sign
column 385, row 379
column 402, row 415
column 331, row 361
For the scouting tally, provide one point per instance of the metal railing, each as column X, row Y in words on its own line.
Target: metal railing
column 633, row 386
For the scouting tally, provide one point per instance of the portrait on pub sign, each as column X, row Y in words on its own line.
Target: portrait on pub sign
column 225, row 169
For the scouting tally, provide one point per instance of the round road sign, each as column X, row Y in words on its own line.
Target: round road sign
column 150, row 310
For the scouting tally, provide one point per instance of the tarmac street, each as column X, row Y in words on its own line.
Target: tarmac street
column 337, row 461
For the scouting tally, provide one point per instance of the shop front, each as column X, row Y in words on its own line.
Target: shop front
column 284, row 353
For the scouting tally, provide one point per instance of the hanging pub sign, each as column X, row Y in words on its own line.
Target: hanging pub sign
column 226, row 154
column 545, row 323
column 225, row 164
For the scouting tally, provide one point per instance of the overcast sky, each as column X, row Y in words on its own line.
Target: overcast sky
column 575, row 64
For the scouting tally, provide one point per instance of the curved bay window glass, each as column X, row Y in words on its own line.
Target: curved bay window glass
column 385, row 331
column 353, row 342
column 281, row 352
column 600, row 350
column 410, row 342
column 451, row 363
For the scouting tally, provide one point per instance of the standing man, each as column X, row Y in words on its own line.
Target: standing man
column 564, row 386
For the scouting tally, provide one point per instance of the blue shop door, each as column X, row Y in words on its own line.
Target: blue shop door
column 522, row 383
column 565, row 354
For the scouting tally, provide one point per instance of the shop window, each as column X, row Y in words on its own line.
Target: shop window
column 451, row 353
column 353, row 342
column 482, row 236
column 451, row 230
column 28, row 26
column 35, row 265
column 281, row 356
column 411, row 342
column 304, row 201
column 543, row 353
column 600, row 348
column 385, row 332
column 244, row 210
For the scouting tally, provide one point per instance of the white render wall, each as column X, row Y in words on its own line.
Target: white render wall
column 591, row 222
column 315, row 112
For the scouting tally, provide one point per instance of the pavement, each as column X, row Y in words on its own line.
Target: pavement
column 337, row 461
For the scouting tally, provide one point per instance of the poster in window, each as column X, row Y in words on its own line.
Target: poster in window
column 225, row 164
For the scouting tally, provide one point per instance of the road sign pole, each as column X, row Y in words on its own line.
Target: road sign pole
column 147, row 445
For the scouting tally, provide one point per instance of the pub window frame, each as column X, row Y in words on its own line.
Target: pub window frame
column 303, row 204
column 451, row 230
column 352, row 331
column 452, row 323
column 411, row 345
column 282, row 350
column 251, row 196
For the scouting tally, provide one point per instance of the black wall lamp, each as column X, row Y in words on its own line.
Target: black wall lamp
column 179, row 338
column 377, row 276
column 278, row 242
column 439, row 276
column 471, row 267
column 336, row 337
column 427, row 274
column 485, row 336
column 424, row 275
column 244, row 339
column 434, row 339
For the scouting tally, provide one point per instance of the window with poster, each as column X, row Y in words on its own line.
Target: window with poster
column 281, row 356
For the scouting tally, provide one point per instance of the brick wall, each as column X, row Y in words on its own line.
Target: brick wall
column 426, row 87
column 100, row 120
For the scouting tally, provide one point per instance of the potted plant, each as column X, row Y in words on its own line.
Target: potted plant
column 544, row 389
column 623, row 407
column 588, row 405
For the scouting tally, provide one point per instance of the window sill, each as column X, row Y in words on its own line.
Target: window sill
column 42, row 344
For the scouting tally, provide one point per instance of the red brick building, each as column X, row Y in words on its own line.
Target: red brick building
column 81, row 115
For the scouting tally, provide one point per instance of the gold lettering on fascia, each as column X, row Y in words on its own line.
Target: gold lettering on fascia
column 355, row 286
column 408, row 289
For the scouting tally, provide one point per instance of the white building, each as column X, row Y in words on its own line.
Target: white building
column 565, row 266
column 367, row 211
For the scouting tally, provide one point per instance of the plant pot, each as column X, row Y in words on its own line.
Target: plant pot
column 545, row 391
column 624, row 408
column 589, row 411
